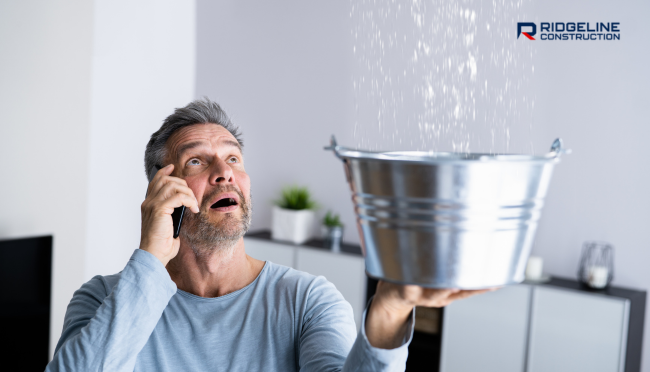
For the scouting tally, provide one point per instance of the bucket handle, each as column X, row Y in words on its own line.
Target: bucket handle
column 557, row 149
column 333, row 146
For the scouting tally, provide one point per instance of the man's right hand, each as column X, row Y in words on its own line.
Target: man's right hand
column 163, row 195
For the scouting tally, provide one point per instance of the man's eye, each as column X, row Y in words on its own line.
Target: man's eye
column 194, row 162
column 233, row 160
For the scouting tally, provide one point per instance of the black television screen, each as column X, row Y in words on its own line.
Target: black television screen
column 25, row 282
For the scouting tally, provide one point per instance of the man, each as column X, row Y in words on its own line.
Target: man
column 199, row 303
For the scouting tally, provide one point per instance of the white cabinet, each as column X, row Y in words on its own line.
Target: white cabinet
column 572, row 331
column 554, row 327
column 486, row 333
column 345, row 271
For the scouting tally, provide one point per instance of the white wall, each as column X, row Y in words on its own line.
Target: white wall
column 44, row 115
column 143, row 67
column 595, row 95
column 283, row 71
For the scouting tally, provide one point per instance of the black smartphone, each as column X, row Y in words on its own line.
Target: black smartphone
column 177, row 215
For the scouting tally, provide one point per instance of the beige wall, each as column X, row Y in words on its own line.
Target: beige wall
column 44, row 115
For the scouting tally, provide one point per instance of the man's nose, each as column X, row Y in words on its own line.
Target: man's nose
column 221, row 173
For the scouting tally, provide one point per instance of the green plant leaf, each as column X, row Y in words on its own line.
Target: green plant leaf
column 296, row 198
column 332, row 220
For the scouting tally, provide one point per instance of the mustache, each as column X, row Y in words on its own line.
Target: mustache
column 220, row 189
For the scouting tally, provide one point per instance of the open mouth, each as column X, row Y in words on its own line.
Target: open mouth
column 224, row 203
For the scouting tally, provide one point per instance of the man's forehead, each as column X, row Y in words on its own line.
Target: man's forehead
column 201, row 134
column 205, row 131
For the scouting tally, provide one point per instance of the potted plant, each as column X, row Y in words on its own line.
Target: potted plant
column 332, row 231
column 293, row 215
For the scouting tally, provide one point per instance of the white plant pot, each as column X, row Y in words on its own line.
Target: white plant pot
column 291, row 225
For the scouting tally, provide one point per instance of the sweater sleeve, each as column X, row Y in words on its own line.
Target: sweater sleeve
column 365, row 357
column 105, row 328
column 328, row 343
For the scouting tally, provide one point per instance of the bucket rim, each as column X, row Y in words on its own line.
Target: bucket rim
column 440, row 157
column 432, row 157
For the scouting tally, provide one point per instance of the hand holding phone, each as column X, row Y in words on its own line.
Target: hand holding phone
column 177, row 216
column 166, row 196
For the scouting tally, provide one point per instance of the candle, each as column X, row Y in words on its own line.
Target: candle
column 534, row 268
column 598, row 276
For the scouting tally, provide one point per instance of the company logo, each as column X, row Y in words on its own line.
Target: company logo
column 570, row 30
column 530, row 34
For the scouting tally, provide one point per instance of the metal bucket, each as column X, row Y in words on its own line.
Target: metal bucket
column 447, row 220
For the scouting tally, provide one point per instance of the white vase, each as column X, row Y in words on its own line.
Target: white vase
column 291, row 225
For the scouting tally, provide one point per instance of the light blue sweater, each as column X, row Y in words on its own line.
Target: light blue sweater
column 285, row 320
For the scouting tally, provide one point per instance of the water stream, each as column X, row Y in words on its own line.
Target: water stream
column 442, row 75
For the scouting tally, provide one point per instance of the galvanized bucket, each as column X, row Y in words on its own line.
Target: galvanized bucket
column 447, row 220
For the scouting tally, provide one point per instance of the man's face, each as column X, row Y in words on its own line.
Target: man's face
column 209, row 158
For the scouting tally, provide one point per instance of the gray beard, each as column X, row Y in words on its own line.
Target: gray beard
column 206, row 237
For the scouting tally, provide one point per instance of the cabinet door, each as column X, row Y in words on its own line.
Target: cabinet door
column 487, row 332
column 346, row 272
column 278, row 253
column 573, row 331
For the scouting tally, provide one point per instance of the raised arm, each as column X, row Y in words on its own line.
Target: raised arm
column 393, row 304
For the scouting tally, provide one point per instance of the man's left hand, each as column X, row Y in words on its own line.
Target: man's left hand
column 386, row 322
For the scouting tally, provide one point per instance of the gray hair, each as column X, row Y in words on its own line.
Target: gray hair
column 200, row 111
